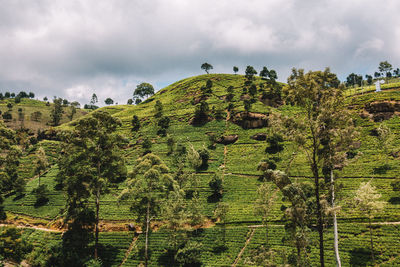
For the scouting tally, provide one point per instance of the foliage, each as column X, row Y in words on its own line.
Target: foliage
column 109, row 101
column 56, row 112
column 135, row 123
column 235, row 69
column 12, row 246
column 41, row 194
column 92, row 161
column 143, row 90
column 205, row 66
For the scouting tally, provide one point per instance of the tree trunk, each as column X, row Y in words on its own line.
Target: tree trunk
column 266, row 233
column 96, row 240
column 147, row 234
column 372, row 241
column 319, row 212
column 335, row 230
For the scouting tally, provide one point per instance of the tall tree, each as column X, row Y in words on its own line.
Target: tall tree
column 220, row 213
column 56, row 112
column 205, row 66
column 235, row 69
column 41, row 162
column 94, row 99
column 366, row 201
column 319, row 95
column 148, row 185
column 93, row 159
column 266, row 199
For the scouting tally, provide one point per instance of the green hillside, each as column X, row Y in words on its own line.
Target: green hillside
column 237, row 164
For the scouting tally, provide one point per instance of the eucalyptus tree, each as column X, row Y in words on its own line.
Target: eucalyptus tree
column 366, row 201
column 148, row 185
column 322, row 129
column 92, row 160
column 41, row 162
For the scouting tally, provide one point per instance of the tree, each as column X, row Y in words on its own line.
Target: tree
column 220, row 213
column 369, row 79
column 250, row 72
column 384, row 140
column 31, row 95
column 9, row 162
column 130, row 101
column 56, row 112
column 135, row 123
column 45, row 98
column 216, row 187
column 40, row 162
column 235, row 69
column 94, row 99
column 147, row 187
column 175, row 211
column 163, row 123
column 385, row 68
column 353, row 80
column 297, row 214
column 319, row 127
column 36, row 116
column 143, row 90
column 265, row 201
column 158, row 107
column 109, row 101
column 205, row 66
column 366, row 201
column 92, row 161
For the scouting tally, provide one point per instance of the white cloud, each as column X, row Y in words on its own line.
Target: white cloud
column 62, row 47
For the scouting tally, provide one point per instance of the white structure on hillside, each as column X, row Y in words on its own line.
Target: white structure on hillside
column 378, row 85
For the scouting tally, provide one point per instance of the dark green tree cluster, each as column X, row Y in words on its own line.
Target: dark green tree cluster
column 161, row 120
column 18, row 97
column 10, row 181
column 91, row 162
column 56, row 112
column 270, row 89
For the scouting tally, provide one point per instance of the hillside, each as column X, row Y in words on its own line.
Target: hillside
column 237, row 164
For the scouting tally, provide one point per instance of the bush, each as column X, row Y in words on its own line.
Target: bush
column 41, row 193
column 204, row 156
column 189, row 255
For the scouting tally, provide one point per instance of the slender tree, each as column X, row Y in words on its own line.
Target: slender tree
column 147, row 187
column 319, row 95
column 366, row 201
column 56, row 112
column 235, row 69
column 265, row 201
column 41, row 163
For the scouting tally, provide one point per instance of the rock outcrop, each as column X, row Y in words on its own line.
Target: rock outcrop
column 250, row 120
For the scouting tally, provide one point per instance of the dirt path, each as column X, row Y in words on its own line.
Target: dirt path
column 244, row 247
column 128, row 251
column 31, row 227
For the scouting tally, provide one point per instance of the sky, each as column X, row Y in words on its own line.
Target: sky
column 72, row 49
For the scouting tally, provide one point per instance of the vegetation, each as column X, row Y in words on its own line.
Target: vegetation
column 188, row 227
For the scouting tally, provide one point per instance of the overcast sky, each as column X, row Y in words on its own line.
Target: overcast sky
column 73, row 49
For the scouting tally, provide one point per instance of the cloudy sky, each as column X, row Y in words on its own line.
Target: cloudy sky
column 73, row 49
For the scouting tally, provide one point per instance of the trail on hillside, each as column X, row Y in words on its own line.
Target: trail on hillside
column 31, row 227
column 252, row 230
column 128, row 251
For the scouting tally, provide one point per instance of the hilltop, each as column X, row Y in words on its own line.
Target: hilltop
column 240, row 146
